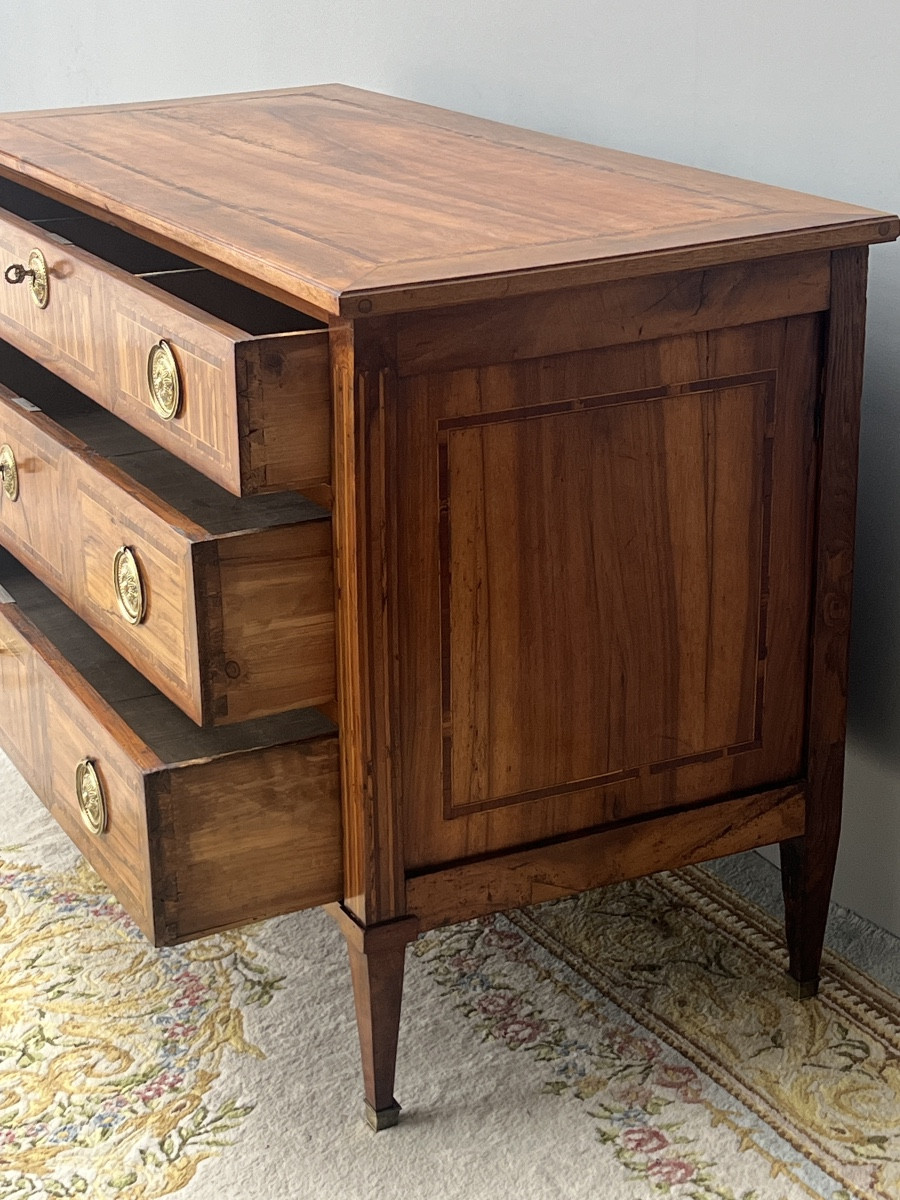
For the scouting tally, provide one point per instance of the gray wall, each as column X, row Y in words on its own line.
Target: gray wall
column 791, row 92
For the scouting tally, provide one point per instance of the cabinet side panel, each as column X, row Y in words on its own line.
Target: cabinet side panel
column 604, row 559
column 604, row 583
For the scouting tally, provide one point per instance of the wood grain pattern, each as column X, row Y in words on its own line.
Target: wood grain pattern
column 260, row 641
column 284, row 413
column 671, row 555
column 195, row 842
column 365, row 490
column 611, row 314
column 246, row 837
column 663, row 842
column 808, row 863
column 243, row 399
column 277, row 598
column 608, row 613
column 356, row 203
column 351, row 689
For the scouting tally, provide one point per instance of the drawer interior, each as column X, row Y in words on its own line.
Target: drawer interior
column 247, row 310
column 165, row 729
column 198, row 498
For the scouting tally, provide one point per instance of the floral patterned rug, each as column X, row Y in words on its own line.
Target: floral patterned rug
column 109, row 1046
column 701, row 1073
column 632, row 1043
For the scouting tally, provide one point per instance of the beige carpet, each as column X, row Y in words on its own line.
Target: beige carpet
column 631, row 1043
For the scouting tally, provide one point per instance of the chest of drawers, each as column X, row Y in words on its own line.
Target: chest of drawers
column 419, row 516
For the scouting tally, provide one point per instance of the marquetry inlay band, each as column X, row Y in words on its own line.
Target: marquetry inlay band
column 129, row 586
column 91, row 800
column 164, row 381
column 9, row 472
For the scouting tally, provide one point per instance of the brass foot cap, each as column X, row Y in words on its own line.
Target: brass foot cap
column 803, row 989
column 382, row 1118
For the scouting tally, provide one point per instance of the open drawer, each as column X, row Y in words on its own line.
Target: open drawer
column 230, row 381
column 226, row 605
column 193, row 830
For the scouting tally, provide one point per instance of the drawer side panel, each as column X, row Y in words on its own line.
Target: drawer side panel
column 277, row 622
column 284, row 408
column 248, row 837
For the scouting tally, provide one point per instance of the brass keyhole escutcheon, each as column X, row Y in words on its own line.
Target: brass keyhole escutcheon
column 129, row 586
column 37, row 272
column 91, row 798
column 164, row 380
column 9, row 472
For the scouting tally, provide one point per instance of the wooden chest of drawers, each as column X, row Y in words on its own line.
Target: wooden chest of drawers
column 474, row 511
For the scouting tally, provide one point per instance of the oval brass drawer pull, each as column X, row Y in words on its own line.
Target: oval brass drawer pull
column 164, row 380
column 37, row 272
column 91, row 800
column 9, row 472
column 129, row 585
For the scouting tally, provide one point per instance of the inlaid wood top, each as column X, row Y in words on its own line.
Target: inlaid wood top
column 354, row 202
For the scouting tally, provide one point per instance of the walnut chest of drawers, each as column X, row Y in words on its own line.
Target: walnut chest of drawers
column 419, row 516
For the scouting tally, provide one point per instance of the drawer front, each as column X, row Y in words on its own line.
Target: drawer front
column 189, row 845
column 229, row 627
column 253, row 412
column 64, row 334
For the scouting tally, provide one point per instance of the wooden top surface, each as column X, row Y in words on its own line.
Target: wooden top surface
column 354, row 202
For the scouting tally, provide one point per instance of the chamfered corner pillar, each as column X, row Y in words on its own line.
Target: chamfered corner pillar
column 377, row 955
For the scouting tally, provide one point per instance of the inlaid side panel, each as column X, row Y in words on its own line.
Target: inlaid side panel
column 604, row 579
column 603, row 565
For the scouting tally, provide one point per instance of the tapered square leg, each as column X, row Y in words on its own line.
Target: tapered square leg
column 377, row 958
column 807, row 871
column 378, row 992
